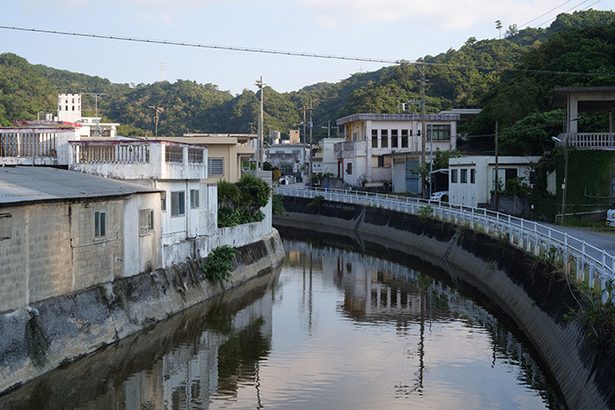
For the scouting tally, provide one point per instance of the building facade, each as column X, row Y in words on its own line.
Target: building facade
column 472, row 179
column 375, row 144
column 62, row 231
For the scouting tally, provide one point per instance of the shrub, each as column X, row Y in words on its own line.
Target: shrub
column 219, row 263
column 240, row 203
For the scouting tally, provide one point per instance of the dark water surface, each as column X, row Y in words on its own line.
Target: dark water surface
column 333, row 330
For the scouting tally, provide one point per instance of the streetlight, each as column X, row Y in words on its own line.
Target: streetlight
column 564, row 142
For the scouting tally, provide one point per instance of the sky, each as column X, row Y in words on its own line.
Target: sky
column 381, row 29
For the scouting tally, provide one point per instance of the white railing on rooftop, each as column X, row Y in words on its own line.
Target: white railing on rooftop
column 26, row 144
column 588, row 263
column 105, row 153
column 591, row 140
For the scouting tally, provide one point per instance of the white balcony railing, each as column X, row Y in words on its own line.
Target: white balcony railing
column 591, row 140
column 110, row 153
column 589, row 263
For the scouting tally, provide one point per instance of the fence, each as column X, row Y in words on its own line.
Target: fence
column 589, row 264
column 104, row 152
column 28, row 144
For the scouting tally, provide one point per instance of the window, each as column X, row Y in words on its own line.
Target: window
column 174, row 153
column 194, row 198
column 381, row 161
column 440, row 132
column 146, row 221
column 510, row 173
column 6, row 226
column 374, row 138
column 195, row 155
column 453, row 176
column 394, row 141
column 384, row 138
column 463, row 176
column 163, row 201
column 472, row 176
column 349, row 168
column 99, row 224
column 216, row 166
column 178, row 203
column 404, row 138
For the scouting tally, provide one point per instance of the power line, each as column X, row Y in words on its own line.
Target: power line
column 566, row 11
column 296, row 53
column 544, row 14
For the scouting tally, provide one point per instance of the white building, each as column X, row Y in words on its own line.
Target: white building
column 188, row 207
column 375, row 144
column 290, row 158
column 69, row 110
column 325, row 159
column 472, row 179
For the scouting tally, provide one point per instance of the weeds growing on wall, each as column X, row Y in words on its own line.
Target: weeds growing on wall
column 278, row 205
column 241, row 203
column 219, row 264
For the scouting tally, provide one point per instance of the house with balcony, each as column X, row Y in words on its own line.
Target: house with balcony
column 324, row 159
column 289, row 158
column 229, row 155
column 382, row 150
column 579, row 100
column 188, row 207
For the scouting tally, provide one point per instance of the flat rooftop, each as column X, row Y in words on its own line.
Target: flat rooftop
column 397, row 117
column 41, row 184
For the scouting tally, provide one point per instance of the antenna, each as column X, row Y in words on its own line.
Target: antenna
column 157, row 111
column 95, row 95
column 162, row 71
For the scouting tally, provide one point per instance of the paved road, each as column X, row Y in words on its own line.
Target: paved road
column 601, row 240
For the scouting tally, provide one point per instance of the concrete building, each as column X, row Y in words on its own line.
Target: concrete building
column 290, row 158
column 229, row 155
column 325, row 158
column 61, row 231
column 188, row 208
column 69, row 110
column 577, row 100
column 386, row 149
column 472, row 179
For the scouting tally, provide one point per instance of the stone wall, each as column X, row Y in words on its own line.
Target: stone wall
column 64, row 328
column 527, row 290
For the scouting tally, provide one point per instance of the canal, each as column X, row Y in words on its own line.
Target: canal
column 334, row 329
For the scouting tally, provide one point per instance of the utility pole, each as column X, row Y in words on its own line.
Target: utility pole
column 328, row 128
column 430, row 159
column 261, row 148
column 423, row 124
column 157, row 111
column 310, row 158
column 95, row 95
column 497, row 179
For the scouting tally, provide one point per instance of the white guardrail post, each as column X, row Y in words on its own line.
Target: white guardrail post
column 530, row 238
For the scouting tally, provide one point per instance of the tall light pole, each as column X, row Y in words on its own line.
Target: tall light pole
column 310, row 157
column 430, row 158
column 261, row 150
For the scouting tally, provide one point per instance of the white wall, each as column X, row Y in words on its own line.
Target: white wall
column 141, row 252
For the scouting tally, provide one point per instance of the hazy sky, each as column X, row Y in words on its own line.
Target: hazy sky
column 383, row 29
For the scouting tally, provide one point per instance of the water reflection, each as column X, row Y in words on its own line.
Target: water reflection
column 336, row 329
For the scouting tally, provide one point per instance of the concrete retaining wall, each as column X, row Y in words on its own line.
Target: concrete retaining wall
column 63, row 328
column 529, row 291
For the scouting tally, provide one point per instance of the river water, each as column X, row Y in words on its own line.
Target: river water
column 334, row 329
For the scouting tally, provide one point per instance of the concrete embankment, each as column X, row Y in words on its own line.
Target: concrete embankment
column 61, row 329
column 529, row 291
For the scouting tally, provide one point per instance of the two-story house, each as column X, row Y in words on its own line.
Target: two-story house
column 386, row 149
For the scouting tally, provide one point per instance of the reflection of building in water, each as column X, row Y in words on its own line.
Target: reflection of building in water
column 216, row 363
column 375, row 289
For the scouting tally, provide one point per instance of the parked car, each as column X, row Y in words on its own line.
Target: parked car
column 441, row 196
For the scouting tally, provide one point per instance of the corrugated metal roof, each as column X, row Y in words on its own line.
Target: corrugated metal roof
column 39, row 184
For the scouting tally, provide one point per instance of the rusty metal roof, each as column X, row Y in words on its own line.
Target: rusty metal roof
column 42, row 184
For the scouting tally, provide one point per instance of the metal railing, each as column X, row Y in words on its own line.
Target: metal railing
column 28, row 144
column 591, row 140
column 588, row 263
column 91, row 152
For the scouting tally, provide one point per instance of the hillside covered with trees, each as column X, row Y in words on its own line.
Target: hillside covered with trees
column 510, row 78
